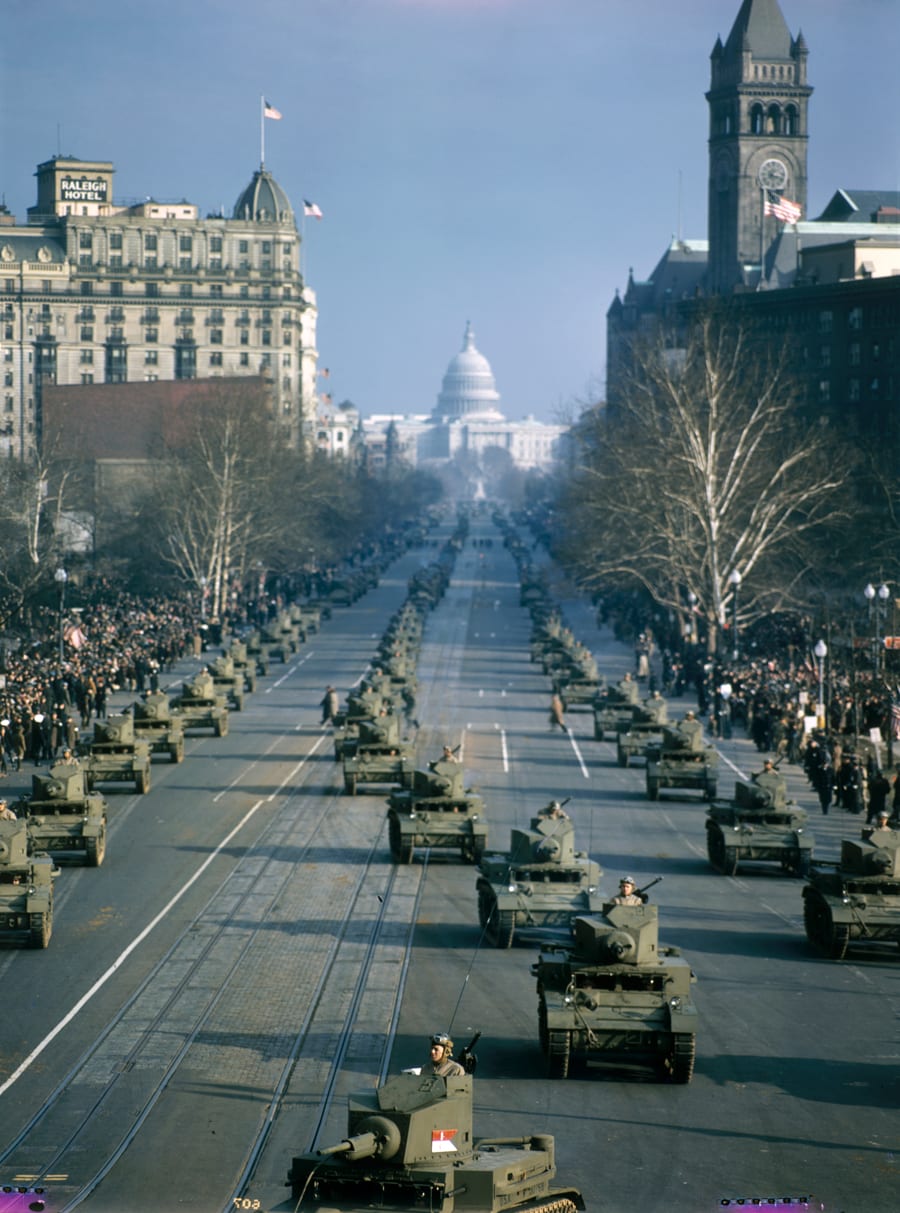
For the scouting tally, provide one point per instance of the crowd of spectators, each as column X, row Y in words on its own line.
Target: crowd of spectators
column 118, row 642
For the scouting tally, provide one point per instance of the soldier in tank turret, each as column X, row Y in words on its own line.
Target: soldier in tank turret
column 627, row 895
column 442, row 1063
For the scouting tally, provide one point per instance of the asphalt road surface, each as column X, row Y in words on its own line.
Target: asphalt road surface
column 248, row 954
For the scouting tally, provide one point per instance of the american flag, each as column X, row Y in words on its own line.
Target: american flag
column 311, row 208
column 269, row 111
column 782, row 208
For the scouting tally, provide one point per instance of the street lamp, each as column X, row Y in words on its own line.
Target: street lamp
column 735, row 582
column 61, row 577
column 204, row 585
column 877, row 610
column 821, row 652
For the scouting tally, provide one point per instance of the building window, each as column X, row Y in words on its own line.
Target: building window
column 151, row 335
column 853, row 391
column 185, row 263
column 245, row 357
column 854, row 353
column 87, row 377
column 243, row 246
column 855, row 318
column 876, row 352
column 151, row 289
column 215, row 244
column 215, row 290
column 185, row 360
column 151, row 358
column 245, row 292
column 115, row 240
column 185, row 244
column 87, row 288
column 150, row 243
column 87, row 333
column 8, row 332
column 824, row 391
column 84, row 259
column 285, row 360
column 286, row 338
column 244, row 337
column 266, row 292
column 150, row 263
column 87, row 357
column 185, row 290
column 115, row 288
column 266, row 337
column 85, row 240
column 825, row 356
column 215, row 337
column 8, row 379
column 215, row 358
column 826, row 321
column 267, row 246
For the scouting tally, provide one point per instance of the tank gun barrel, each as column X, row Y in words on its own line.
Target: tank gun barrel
column 363, row 1145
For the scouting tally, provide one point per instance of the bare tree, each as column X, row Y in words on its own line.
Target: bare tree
column 703, row 478
column 215, row 490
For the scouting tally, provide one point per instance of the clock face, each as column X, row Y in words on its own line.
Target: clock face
column 772, row 175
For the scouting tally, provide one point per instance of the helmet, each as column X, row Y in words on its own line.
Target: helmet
column 627, row 880
column 442, row 1039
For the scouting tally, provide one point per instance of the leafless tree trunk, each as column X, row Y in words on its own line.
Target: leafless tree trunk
column 704, row 479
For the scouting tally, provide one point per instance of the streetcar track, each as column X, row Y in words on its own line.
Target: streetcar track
column 65, row 1144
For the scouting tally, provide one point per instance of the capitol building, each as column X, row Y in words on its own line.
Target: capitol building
column 465, row 424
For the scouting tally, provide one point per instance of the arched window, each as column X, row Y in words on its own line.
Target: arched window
column 756, row 120
column 773, row 120
column 791, row 120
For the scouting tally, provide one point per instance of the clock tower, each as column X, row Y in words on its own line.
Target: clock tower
column 758, row 135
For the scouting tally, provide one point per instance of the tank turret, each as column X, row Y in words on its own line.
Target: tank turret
column 857, row 900
column 155, row 724
column 542, row 883
column 760, row 823
column 64, row 817
column 410, row 1144
column 26, row 887
column 616, row 993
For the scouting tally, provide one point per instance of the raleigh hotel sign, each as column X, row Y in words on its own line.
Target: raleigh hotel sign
column 83, row 189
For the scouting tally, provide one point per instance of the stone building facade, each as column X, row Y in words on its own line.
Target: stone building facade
column 98, row 292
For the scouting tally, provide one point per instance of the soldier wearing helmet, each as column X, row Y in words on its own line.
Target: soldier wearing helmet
column 442, row 1062
column 627, row 895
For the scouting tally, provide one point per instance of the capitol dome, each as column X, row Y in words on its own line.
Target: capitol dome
column 264, row 201
column 468, row 390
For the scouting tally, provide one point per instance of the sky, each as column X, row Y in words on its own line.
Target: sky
column 504, row 162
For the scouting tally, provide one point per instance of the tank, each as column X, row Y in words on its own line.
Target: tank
column 616, row 995
column 760, row 824
column 257, row 652
column 117, row 756
column 410, row 1145
column 26, row 888
column 239, row 655
column 200, row 706
column 228, row 681
column 855, row 901
column 437, row 811
column 363, row 704
column 541, row 883
column 155, row 724
column 64, row 819
column 682, row 760
column 380, row 756
column 614, row 708
column 642, row 731
column 307, row 618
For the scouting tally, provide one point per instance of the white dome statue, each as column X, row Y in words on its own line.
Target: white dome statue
column 468, row 391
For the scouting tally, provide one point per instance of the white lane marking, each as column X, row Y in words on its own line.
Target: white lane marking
column 287, row 673
column 503, row 749
column 584, row 769
column 123, row 956
column 290, row 775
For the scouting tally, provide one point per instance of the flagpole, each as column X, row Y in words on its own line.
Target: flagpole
column 262, row 132
column 762, row 225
